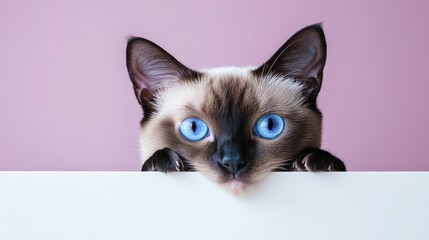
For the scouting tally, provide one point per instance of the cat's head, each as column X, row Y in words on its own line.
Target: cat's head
column 233, row 125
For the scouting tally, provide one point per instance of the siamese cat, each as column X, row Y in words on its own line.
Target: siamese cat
column 232, row 124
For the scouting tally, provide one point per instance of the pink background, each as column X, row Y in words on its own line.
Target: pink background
column 66, row 102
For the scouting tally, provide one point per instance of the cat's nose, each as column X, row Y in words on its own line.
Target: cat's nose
column 232, row 158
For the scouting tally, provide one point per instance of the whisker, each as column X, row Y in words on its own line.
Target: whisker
column 277, row 58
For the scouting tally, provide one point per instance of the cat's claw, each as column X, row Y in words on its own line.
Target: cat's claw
column 164, row 160
column 317, row 160
column 309, row 160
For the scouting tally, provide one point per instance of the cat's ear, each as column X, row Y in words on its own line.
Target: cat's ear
column 151, row 68
column 302, row 58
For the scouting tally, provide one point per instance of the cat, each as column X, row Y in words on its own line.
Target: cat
column 232, row 124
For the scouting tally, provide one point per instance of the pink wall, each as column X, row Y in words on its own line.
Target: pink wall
column 66, row 102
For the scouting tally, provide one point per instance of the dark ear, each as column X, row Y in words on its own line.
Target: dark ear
column 302, row 57
column 151, row 68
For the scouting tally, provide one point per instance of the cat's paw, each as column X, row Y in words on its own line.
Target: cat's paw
column 317, row 160
column 164, row 160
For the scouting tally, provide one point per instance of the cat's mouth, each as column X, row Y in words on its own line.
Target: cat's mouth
column 235, row 186
column 233, row 175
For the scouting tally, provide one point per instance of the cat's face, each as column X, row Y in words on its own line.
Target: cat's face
column 233, row 125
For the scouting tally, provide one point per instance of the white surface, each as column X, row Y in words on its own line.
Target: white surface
column 134, row 205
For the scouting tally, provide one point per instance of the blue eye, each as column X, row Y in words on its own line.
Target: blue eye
column 193, row 129
column 269, row 126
